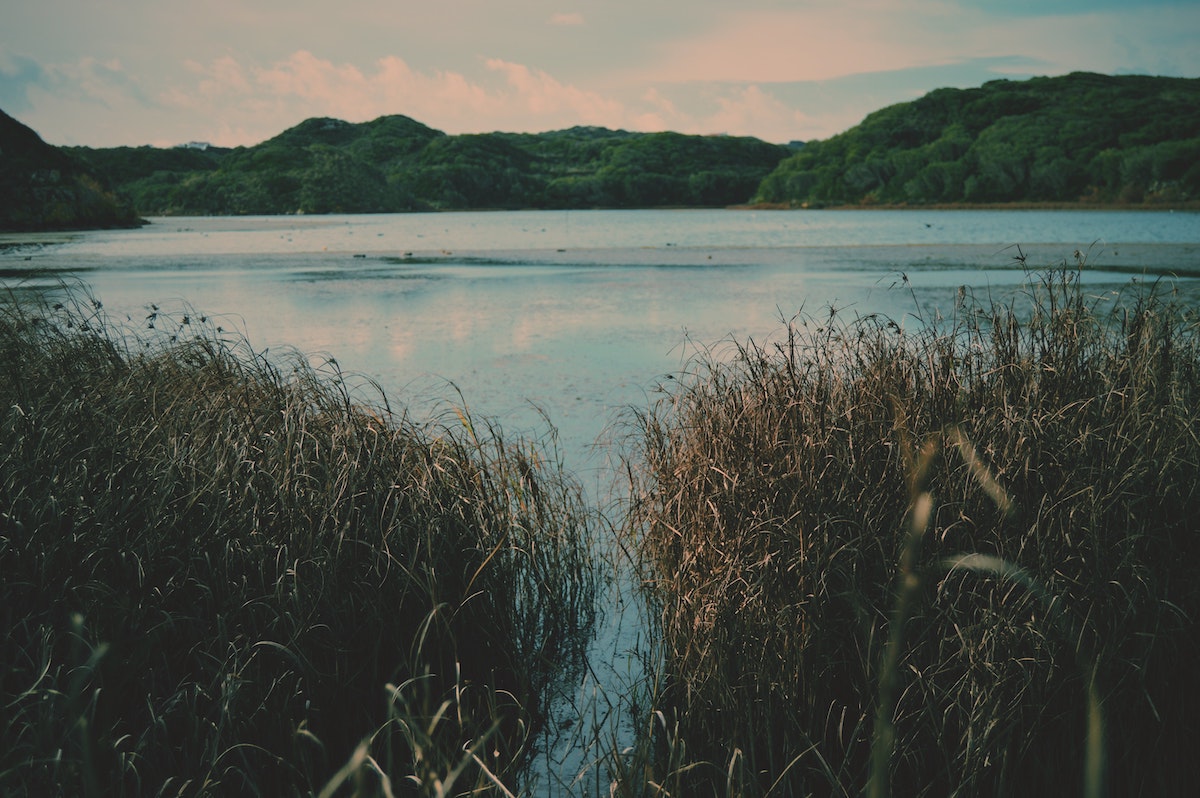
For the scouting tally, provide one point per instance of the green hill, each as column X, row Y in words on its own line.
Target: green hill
column 1081, row 138
column 43, row 187
column 1078, row 138
column 397, row 164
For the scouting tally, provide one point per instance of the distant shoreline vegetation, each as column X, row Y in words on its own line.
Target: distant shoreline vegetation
column 1080, row 141
column 395, row 164
column 1084, row 139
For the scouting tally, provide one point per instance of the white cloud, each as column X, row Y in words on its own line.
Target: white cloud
column 268, row 99
column 231, row 102
column 506, row 96
column 104, row 82
column 726, row 68
column 185, row 72
column 237, row 98
column 224, row 76
column 737, row 110
column 539, row 96
column 752, row 109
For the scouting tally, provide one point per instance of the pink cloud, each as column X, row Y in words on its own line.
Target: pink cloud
column 242, row 103
column 508, row 96
column 750, row 109
column 557, row 103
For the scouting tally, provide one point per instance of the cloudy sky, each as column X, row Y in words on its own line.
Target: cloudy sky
column 162, row 72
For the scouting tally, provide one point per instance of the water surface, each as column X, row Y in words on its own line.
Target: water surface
column 577, row 312
column 577, row 316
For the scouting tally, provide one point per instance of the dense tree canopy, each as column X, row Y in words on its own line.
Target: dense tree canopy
column 43, row 187
column 1082, row 137
column 397, row 164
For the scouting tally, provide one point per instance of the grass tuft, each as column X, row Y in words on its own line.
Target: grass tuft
column 968, row 548
column 214, row 563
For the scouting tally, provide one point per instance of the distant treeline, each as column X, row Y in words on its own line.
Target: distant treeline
column 397, row 164
column 1079, row 138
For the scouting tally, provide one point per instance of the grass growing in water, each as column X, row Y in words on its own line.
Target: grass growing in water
column 221, row 573
column 1044, row 453
column 213, row 565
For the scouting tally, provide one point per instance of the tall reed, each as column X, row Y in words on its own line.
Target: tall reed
column 1027, row 468
column 223, row 572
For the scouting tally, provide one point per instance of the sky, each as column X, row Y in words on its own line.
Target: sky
column 163, row 72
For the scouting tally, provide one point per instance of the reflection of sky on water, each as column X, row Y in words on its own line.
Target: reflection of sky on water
column 580, row 313
column 575, row 315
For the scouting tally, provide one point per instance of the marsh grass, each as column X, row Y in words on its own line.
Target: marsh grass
column 970, row 545
column 223, row 572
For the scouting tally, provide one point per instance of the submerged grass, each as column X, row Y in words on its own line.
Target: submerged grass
column 224, row 574
column 970, row 549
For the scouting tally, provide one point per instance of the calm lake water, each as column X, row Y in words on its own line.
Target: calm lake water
column 578, row 315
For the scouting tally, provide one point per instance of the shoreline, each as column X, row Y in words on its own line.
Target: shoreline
column 1191, row 205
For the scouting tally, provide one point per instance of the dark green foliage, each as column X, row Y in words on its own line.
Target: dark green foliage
column 672, row 169
column 139, row 163
column 474, row 171
column 1054, row 432
column 44, row 188
column 396, row 164
column 1079, row 138
column 1082, row 137
column 214, row 565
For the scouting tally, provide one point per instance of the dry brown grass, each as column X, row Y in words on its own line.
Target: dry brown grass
column 215, row 564
column 963, row 544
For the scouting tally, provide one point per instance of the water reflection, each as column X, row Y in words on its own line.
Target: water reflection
column 576, row 317
column 576, row 313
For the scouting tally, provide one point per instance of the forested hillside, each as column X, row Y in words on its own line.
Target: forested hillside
column 1081, row 138
column 1078, row 138
column 42, row 187
column 397, row 164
